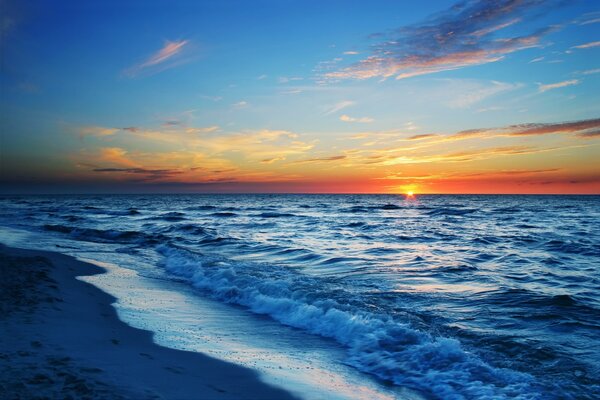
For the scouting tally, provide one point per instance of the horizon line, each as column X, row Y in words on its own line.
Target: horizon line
column 293, row 193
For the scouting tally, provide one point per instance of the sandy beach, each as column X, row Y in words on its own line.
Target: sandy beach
column 61, row 338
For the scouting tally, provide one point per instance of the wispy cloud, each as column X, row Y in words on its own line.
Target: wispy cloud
column 292, row 91
column 167, row 57
column 589, row 129
column 557, row 85
column 590, row 71
column 148, row 174
column 510, row 174
column 588, row 18
column 178, row 153
column 250, row 145
column 286, row 79
column 171, row 123
column 491, row 108
column 117, row 156
column 581, row 128
column 464, row 35
column 591, row 21
column 272, row 160
column 212, row 98
column 459, row 156
column 322, row 159
column 339, row 107
column 240, row 104
column 207, row 129
column 410, row 126
column 590, row 134
column 96, row 131
column 467, row 93
column 422, row 136
column 169, row 50
column 347, row 118
column 587, row 45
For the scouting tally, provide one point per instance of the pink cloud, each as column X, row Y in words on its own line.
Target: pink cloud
column 164, row 58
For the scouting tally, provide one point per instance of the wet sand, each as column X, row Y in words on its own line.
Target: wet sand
column 61, row 338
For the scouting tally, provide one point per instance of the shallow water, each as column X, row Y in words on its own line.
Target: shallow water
column 452, row 296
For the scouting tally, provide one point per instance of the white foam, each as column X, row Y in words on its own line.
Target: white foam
column 377, row 344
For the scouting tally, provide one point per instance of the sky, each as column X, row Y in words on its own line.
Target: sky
column 304, row 96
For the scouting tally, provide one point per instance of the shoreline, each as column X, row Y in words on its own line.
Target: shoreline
column 61, row 337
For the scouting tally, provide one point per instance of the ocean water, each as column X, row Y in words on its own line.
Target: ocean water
column 450, row 297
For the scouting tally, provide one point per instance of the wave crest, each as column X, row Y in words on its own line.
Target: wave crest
column 376, row 343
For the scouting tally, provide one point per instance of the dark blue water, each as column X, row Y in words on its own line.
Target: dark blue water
column 453, row 296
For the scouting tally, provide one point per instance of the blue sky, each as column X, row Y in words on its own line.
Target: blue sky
column 299, row 94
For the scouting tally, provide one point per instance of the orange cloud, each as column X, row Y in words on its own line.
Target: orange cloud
column 116, row 156
column 96, row 131
column 323, row 159
column 423, row 136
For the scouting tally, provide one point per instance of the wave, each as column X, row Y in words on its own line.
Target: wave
column 356, row 224
column 375, row 343
column 574, row 247
column 366, row 209
column 503, row 210
column 486, row 240
column 224, row 214
column 456, row 268
column 130, row 211
column 108, row 235
column 355, row 209
column 524, row 297
column 340, row 260
column 191, row 229
column 201, row 208
column 73, row 218
column 274, row 215
column 171, row 216
column 389, row 207
column 452, row 211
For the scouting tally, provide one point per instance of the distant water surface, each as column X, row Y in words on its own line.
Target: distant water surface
column 452, row 296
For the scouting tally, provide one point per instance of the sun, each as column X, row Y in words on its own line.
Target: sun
column 408, row 191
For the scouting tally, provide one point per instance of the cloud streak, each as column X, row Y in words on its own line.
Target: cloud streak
column 322, row 159
column 588, row 45
column 558, row 85
column 464, row 35
column 582, row 128
column 364, row 120
column 148, row 174
column 98, row 131
column 167, row 57
column 339, row 107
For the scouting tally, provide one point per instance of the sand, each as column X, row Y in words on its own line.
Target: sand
column 61, row 338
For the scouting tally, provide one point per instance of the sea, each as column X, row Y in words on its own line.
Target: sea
column 350, row 296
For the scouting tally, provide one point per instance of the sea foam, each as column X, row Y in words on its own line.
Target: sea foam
column 376, row 343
